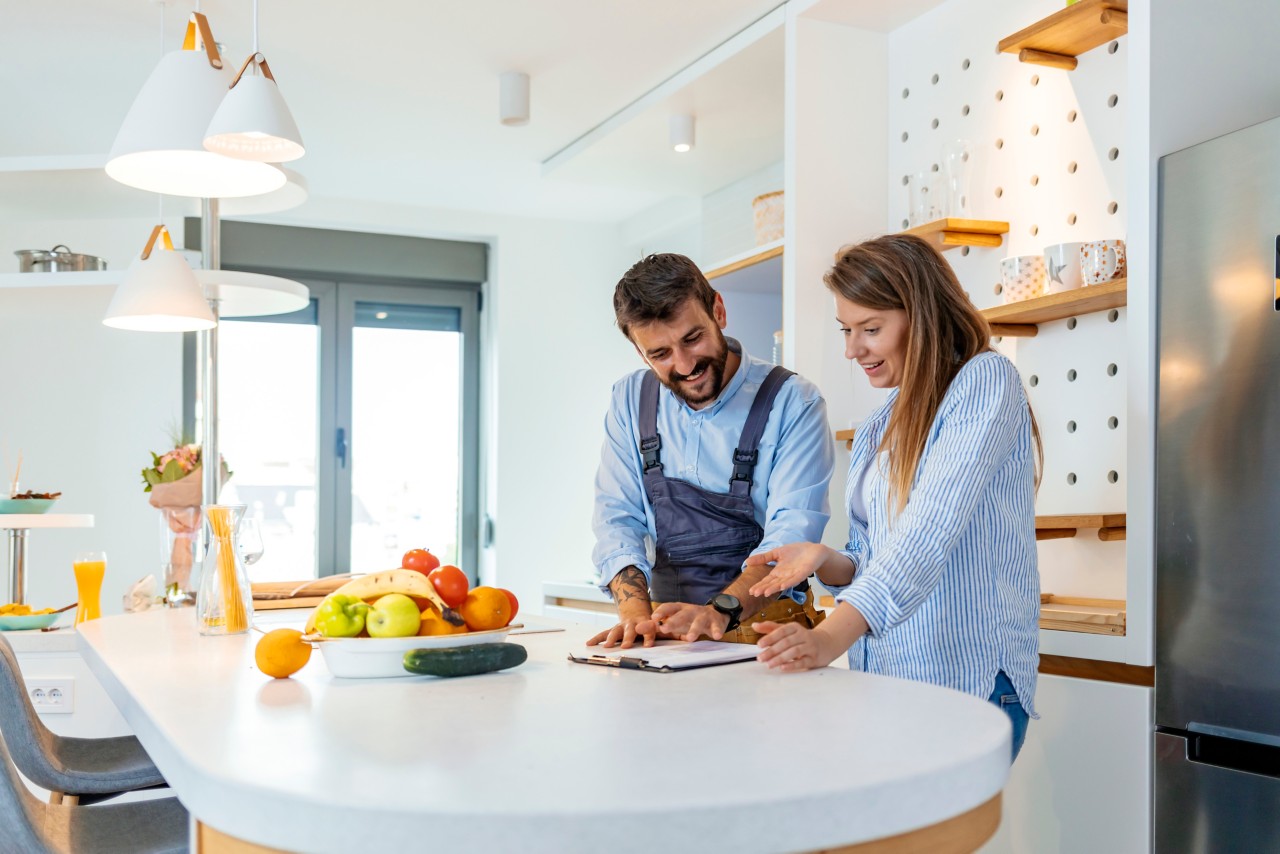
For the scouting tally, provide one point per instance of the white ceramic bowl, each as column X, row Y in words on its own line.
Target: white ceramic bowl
column 380, row 658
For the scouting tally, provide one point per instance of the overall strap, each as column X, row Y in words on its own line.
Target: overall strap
column 745, row 455
column 650, row 441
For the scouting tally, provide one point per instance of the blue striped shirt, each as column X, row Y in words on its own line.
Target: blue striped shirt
column 950, row 587
column 789, row 492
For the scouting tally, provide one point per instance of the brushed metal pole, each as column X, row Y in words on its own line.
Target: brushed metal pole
column 17, row 565
column 207, row 351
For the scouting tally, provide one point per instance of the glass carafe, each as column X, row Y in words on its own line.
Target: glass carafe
column 224, row 605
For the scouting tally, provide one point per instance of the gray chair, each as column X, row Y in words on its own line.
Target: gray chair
column 74, row 770
column 30, row 826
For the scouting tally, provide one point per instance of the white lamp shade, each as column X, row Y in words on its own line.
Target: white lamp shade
column 513, row 98
column 254, row 123
column 159, row 294
column 160, row 146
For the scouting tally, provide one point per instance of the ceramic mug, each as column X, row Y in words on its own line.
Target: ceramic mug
column 1102, row 261
column 1022, row 277
column 1062, row 267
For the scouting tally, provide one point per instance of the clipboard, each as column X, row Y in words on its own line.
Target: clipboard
column 672, row 657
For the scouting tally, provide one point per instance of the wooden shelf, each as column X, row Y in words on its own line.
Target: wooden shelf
column 747, row 259
column 950, row 233
column 1019, row 319
column 1074, row 614
column 846, row 436
column 1057, row 40
column 1111, row 526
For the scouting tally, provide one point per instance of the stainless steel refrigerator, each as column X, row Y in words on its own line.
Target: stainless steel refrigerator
column 1217, row 739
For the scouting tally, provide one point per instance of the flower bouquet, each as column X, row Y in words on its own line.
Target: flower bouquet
column 174, row 481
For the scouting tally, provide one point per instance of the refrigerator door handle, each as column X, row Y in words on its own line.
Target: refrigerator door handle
column 1232, row 754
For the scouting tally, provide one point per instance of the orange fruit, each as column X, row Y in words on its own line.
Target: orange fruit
column 281, row 653
column 434, row 624
column 485, row 608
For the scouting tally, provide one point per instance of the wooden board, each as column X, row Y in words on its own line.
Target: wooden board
column 1043, row 309
column 1082, row 520
column 950, row 233
column 1073, row 30
column 1080, row 614
column 306, row 588
column 284, row 604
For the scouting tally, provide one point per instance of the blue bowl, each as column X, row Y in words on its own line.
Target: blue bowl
column 10, row 623
column 26, row 505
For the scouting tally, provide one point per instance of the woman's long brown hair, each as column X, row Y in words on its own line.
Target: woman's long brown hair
column 944, row 331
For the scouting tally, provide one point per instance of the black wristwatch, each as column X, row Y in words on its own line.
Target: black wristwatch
column 728, row 605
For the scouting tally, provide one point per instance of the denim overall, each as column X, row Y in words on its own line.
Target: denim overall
column 702, row 537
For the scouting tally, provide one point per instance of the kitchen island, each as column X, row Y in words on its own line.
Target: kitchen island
column 550, row 756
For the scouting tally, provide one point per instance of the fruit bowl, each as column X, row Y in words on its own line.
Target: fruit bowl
column 379, row 658
column 26, row 505
column 10, row 623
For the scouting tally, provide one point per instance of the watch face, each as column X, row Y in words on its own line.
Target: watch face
column 726, row 603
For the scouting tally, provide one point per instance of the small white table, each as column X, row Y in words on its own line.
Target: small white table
column 550, row 756
column 16, row 526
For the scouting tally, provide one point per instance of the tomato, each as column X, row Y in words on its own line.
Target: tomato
column 419, row 560
column 515, row 603
column 451, row 583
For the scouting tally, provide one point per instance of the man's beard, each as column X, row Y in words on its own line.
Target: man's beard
column 714, row 366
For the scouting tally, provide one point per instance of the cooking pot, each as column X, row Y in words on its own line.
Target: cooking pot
column 59, row 259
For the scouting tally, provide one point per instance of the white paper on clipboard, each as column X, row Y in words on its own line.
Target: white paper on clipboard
column 669, row 656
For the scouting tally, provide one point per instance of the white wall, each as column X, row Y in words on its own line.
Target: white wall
column 85, row 405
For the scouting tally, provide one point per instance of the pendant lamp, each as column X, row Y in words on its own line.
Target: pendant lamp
column 253, row 122
column 159, row 293
column 160, row 146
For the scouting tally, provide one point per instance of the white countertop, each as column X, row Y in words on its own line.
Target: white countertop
column 549, row 756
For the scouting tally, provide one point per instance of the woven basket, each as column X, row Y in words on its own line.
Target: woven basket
column 767, row 210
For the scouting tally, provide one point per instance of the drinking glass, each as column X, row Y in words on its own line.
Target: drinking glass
column 957, row 167
column 89, row 568
column 250, row 540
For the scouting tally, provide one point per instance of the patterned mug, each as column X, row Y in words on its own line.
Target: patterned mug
column 1022, row 277
column 1102, row 261
column 1062, row 267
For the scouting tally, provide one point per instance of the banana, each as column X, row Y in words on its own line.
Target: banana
column 406, row 581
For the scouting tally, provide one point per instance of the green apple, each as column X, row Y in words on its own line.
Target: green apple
column 341, row 616
column 393, row 616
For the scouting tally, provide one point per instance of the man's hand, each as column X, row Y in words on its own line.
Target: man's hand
column 690, row 622
column 629, row 628
column 793, row 563
column 635, row 612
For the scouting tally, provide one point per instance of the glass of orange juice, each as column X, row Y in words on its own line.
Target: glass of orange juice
column 90, row 567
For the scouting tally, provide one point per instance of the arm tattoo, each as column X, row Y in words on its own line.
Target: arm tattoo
column 629, row 584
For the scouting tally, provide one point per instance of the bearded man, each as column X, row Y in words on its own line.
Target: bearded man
column 710, row 456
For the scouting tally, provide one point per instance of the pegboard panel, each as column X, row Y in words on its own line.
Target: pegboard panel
column 1048, row 158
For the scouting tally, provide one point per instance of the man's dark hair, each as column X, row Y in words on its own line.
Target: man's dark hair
column 655, row 288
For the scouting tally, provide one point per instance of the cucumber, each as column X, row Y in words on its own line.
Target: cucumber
column 464, row 660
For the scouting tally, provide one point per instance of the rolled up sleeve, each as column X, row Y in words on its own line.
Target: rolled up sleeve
column 619, row 519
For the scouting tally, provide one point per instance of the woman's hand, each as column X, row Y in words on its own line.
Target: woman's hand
column 793, row 563
column 792, row 647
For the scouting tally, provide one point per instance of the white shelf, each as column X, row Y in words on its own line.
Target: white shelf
column 25, row 521
column 756, row 271
column 53, row 280
column 240, row 294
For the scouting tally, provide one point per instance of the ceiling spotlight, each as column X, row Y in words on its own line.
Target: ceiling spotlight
column 681, row 132
column 513, row 98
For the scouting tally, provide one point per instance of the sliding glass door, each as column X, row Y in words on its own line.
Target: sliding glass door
column 352, row 427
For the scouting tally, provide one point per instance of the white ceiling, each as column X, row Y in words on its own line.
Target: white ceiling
column 397, row 100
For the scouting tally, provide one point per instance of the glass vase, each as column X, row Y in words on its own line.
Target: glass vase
column 179, row 539
column 224, row 605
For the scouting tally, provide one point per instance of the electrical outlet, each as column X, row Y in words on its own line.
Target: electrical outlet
column 52, row 696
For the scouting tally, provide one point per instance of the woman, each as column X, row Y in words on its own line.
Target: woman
column 939, row 580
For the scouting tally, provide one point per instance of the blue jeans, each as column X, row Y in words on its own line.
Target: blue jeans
column 1006, row 699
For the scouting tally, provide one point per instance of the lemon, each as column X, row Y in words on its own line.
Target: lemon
column 281, row 653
